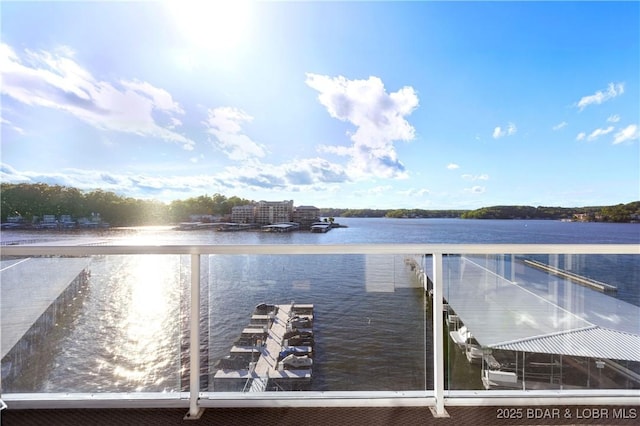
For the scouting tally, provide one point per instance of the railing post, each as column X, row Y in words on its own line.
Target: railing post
column 438, row 337
column 194, row 340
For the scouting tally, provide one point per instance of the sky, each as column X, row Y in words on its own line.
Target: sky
column 383, row 105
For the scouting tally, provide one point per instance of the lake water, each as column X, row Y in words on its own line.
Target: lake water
column 125, row 331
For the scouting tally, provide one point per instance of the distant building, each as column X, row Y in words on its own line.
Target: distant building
column 243, row 214
column 49, row 218
column 272, row 212
column 48, row 221
column 66, row 221
column 269, row 212
column 581, row 217
column 305, row 216
column 15, row 219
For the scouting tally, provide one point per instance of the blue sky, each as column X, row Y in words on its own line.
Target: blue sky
column 431, row 105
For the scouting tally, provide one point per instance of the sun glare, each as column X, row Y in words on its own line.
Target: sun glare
column 214, row 26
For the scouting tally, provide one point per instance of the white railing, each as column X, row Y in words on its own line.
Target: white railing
column 437, row 399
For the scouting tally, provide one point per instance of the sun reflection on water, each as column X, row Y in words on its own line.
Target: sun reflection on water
column 147, row 326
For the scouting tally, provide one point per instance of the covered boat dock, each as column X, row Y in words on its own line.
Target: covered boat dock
column 521, row 328
column 281, row 227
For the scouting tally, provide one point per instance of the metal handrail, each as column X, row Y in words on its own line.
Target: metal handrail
column 81, row 250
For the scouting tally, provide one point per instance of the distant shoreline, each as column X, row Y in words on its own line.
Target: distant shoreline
column 621, row 213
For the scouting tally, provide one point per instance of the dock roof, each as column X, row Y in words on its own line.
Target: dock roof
column 540, row 314
column 29, row 286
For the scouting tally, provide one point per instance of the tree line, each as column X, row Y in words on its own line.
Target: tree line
column 629, row 212
column 32, row 201
column 36, row 200
column 395, row 213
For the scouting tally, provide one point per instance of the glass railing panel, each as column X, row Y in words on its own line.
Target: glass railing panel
column 361, row 327
column 95, row 324
column 372, row 321
column 542, row 322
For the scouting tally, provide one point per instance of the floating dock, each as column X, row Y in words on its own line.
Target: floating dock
column 275, row 352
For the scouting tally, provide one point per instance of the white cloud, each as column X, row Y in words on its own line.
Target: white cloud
column 475, row 177
column 599, row 132
column 560, row 125
column 311, row 171
column 338, row 150
column 413, row 192
column 8, row 123
column 476, row 189
column 379, row 118
column 9, row 174
column 453, row 166
column 313, row 174
column 629, row 133
column 613, row 90
column 134, row 185
column 55, row 80
column 581, row 136
column 613, row 118
column 225, row 123
column 309, row 174
column 379, row 190
column 499, row 132
column 161, row 98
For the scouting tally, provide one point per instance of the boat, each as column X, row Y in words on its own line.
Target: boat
column 298, row 341
column 460, row 336
column 299, row 322
column 265, row 309
column 301, row 334
column 463, row 338
column 296, row 362
column 473, row 351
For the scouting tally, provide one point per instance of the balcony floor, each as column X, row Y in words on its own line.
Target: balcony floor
column 369, row 416
column 248, row 416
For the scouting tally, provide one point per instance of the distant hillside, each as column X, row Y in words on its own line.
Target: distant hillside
column 629, row 212
column 397, row 213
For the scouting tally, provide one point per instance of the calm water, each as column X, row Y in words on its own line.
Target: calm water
column 126, row 331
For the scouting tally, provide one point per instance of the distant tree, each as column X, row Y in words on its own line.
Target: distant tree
column 620, row 212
